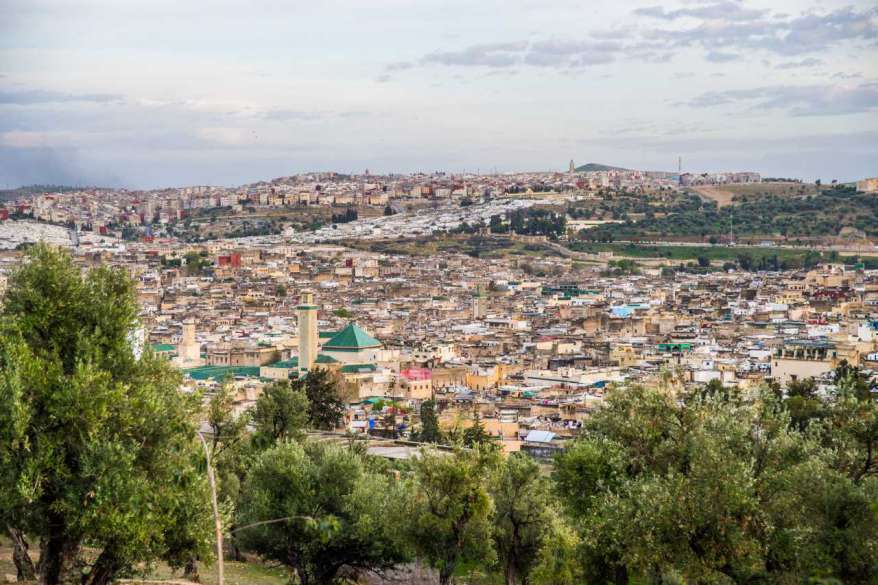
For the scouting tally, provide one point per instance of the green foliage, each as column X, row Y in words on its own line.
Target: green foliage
column 280, row 414
column 621, row 267
column 476, row 434
column 760, row 214
column 450, row 516
column 759, row 258
column 97, row 447
column 430, row 431
column 343, row 313
column 532, row 221
column 196, row 264
column 522, row 516
column 336, row 514
column 227, row 443
column 325, row 406
column 715, row 489
column 558, row 559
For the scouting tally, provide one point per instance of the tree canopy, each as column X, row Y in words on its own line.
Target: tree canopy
column 97, row 446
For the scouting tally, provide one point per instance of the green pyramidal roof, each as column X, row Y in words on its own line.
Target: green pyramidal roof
column 351, row 338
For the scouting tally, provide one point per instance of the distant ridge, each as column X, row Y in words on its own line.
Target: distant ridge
column 594, row 167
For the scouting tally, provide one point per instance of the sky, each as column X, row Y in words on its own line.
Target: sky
column 146, row 94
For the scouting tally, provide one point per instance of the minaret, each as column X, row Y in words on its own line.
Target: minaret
column 188, row 351
column 572, row 168
column 479, row 303
column 307, row 332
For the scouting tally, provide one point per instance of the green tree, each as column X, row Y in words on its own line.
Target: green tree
column 97, row 446
column 229, row 454
column 326, row 512
column 736, row 494
column 475, row 434
column 803, row 403
column 450, row 516
column 280, row 414
column 851, row 428
column 430, row 432
column 522, row 516
column 325, row 406
column 558, row 559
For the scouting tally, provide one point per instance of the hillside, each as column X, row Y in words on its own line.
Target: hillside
column 805, row 214
column 730, row 194
column 595, row 167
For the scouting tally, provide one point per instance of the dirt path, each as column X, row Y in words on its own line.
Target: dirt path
column 722, row 196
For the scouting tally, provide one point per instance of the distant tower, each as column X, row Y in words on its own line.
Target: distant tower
column 679, row 164
column 479, row 303
column 572, row 168
column 188, row 351
column 307, row 332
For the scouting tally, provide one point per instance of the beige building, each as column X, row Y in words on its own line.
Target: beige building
column 801, row 359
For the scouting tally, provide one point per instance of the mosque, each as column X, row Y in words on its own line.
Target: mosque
column 359, row 357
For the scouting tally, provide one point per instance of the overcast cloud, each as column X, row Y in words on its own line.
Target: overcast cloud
column 164, row 92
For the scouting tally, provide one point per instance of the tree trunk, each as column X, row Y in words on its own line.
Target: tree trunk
column 190, row 571
column 509, row 573
column 303, row 576
column 445, row 576
column 24, row 566
column 104, row 569
column 621, row 575
column 57, row 560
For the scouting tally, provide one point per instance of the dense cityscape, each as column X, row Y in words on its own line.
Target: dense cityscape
column 466, row 309
column 438, row 293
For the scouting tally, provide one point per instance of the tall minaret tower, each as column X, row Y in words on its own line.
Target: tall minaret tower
column 189, row 350
column 572, row 168
column 307, row 332
column 479, row 303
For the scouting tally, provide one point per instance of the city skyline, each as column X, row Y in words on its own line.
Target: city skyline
column 145, row 96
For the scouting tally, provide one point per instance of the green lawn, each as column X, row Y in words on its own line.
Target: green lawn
column 235, row 573
column 714, row 253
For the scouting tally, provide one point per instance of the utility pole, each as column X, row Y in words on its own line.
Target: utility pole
column 217, row 521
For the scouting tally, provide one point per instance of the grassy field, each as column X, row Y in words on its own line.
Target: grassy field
column 235, row 573
column 683, row 253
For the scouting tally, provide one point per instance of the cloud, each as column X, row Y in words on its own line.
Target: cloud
column 556, row 53
column 807, row 33
column 39, row 96
column 809, row 62
column 725, row 29
column 280, row 115
column 720, row 57
column 714, row 10
column 562, row 54
column 804, row 100
column 48, row 165
column 484, row 55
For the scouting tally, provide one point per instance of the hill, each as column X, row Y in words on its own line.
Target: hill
column 28, row 191
column 809, row 213
column 595, row 167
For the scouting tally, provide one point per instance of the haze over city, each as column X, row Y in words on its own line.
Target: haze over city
column 143, row 95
